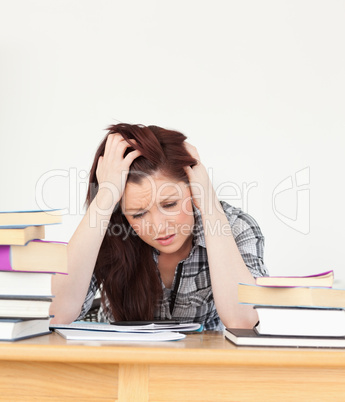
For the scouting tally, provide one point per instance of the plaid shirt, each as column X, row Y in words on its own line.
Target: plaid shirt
column 194, row 298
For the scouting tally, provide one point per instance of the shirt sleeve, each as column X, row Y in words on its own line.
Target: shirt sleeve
column 249, row 239
column 89, row 298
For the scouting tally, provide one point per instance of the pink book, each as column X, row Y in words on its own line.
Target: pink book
column 324, row 279
column 35, row 256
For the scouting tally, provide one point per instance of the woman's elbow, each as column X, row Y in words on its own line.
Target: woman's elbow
column 245, row 321
column 62, row 315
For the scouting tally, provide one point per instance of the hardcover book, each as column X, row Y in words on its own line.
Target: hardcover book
column 325, row 279
column 17, row 329
column 249, row 337
column 11, row 219
column 36, row 256
column 25, row 283
column 24, row 307
column 20, row 236
column 291, row 296
column 300, row 321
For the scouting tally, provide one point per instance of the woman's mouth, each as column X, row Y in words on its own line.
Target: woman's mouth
column 166, row 240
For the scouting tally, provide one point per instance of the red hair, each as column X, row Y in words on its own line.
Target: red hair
column 125, row 268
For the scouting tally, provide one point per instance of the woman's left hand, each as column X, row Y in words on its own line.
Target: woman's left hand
column 202, row 191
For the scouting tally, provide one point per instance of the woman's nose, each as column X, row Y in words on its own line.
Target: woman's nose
column 160, row 221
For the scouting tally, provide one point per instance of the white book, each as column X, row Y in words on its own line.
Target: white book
column 25, row 283
column 12, row 329
column 300, row 321
column 24, row 307
column 249, row 337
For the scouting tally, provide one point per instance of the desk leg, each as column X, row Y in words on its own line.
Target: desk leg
column 133, row 383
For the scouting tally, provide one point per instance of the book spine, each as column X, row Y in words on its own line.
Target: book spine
column 5, row 258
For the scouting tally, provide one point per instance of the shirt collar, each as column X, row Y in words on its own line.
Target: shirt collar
column 198, row 230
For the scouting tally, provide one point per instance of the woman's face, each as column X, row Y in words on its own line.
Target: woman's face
column 160, row 211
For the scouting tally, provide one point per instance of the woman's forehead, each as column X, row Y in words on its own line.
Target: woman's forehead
column 157, row 183
column 152, row 189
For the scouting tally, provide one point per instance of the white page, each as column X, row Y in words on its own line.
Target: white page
column 149, row 328
column 82, row 335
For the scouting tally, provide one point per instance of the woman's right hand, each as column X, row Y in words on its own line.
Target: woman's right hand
column 112, row 169
column 83, row 248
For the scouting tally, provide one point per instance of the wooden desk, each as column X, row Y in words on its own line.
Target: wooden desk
column 203, row 367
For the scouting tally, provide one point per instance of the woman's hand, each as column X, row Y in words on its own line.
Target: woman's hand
column 227, row 267
column 83, row 248
column 113, row 167
column 203, row 194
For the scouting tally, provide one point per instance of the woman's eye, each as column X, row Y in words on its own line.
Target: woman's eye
column 138, row 216
column 170, row 205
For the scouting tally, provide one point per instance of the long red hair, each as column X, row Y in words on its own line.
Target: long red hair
column 125, row 268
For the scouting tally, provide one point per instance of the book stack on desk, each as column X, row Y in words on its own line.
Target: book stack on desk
column 293, row 311
column 27, row 263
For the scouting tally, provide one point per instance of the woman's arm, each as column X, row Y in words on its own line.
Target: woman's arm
column 227, row 267
column 82, row 251
column 70, row 290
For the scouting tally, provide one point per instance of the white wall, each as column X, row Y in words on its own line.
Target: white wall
column 257, row 86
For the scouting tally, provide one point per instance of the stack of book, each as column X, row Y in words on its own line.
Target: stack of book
column 27, row 264
column 293, row 311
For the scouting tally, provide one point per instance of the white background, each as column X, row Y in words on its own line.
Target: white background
column 257, row 86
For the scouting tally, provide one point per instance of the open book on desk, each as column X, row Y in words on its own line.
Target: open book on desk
column 142, row 327
column 91, row 335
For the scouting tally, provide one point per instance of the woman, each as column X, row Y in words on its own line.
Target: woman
column 156, row 240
